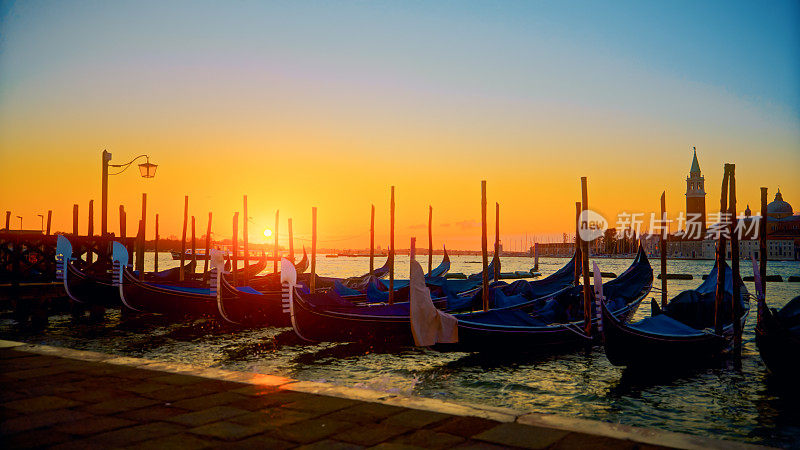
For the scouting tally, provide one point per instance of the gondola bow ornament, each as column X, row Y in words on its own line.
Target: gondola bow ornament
column 428, row 324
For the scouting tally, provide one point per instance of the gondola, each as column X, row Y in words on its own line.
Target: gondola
column 327, row 316
column 778, row 338
column 682, row 333
column 556, row 322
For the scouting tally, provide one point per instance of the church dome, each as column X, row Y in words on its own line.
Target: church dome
column 778, row 206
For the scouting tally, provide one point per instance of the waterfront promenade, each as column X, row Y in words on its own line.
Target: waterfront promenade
column 62, row 398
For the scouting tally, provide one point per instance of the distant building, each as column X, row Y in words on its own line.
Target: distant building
column 695, row 199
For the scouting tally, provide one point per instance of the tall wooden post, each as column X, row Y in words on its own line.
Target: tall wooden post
column 194, row 248
column 391, row 248
column 736, row 306
column 430, row 238
column 587, row 289
column 578, row 258
column 372, row 240
column 664, row 234
column 49, row 220
column 183, row 236
column 291, row 241
column 8, row 220
column 484, row 249
column 497, row 239
column 245, row 238
column 721, row 248
column 155, row 248
column 762, row 246
column 143, row 225
column 90, row 230
column 275, row 254
column 106, row 157
column 123, row 222
column 313, row 283
column 74, row 220
column 208, row 246
column 140, row 249
column 235, row 249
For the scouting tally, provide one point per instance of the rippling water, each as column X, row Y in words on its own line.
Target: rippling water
column 724, row 401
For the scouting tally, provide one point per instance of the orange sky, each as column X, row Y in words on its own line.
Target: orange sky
column 330, row 119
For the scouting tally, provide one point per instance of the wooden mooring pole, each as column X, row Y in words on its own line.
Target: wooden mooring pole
column 430, row 238
column 391, row 248
column 313, row 283
column 8, row 220
column 736, row 306
column 721, row 248
column 183, row 236
column 484, row 249
column 49, row 220
column 142, row 239
column 155, row 248
column 275, row 252
column 74, row 220
column 497, row 240
column 578, row 258
column 235, row 242
column 291, row 241
column 90, row 231
column 372, row 240
column 246, row 239
column 663, row 243
column 762, row 248
column 587, row 289
column 194, row 249
column 123, row 223
column 208, row 246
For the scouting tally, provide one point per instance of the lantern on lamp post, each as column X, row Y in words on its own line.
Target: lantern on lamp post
column 146, row 170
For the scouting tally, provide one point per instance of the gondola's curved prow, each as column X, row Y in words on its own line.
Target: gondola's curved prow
column 778, row 338
column 63, row 258
column 302, row 266
column 119, row 258
column 442, row 268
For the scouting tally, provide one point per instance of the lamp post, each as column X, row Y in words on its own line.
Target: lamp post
column 146, row 169
column 42, row 217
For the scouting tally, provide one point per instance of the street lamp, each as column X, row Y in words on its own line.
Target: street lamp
column 146, row 169
column 42, row 216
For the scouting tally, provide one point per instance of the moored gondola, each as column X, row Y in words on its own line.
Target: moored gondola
column 683, row 333
column 778, row 338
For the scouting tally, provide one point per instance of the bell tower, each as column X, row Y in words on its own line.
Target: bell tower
column 696, row 197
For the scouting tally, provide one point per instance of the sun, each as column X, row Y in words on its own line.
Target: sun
column 267, row 232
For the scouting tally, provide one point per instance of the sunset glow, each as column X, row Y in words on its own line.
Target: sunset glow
column 298, row 105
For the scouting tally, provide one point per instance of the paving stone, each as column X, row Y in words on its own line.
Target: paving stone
column 35, row 372
column 370, row 434
column 330, row 444
column 131, row 435
column 41, row 403
column 518, row 435
column 395, row 446
column 183, row 441
column 227, row 431
column 255, row 390
column 583, row 440
column 144, row 387
column 366, row 412
column 38, row 420
column 322, row 404
column 465, row 426
column 93, row 425
column 204, row 416
column 261, row 441
column 34, row 439
column 310, row 430
column 151, row 413
column 267, row 401
column 177, row 379
column 120, row 404
column 272, row 418
column 175, row 393
column 479, row 445
column 429, row 439
column 415, row 418
column 94, row 395
column 135, row 373
column 207, row 401
column 219, row 385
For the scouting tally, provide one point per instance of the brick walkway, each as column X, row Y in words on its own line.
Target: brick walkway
column 57, row 401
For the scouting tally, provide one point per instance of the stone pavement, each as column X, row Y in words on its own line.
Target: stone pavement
column 64, row 399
